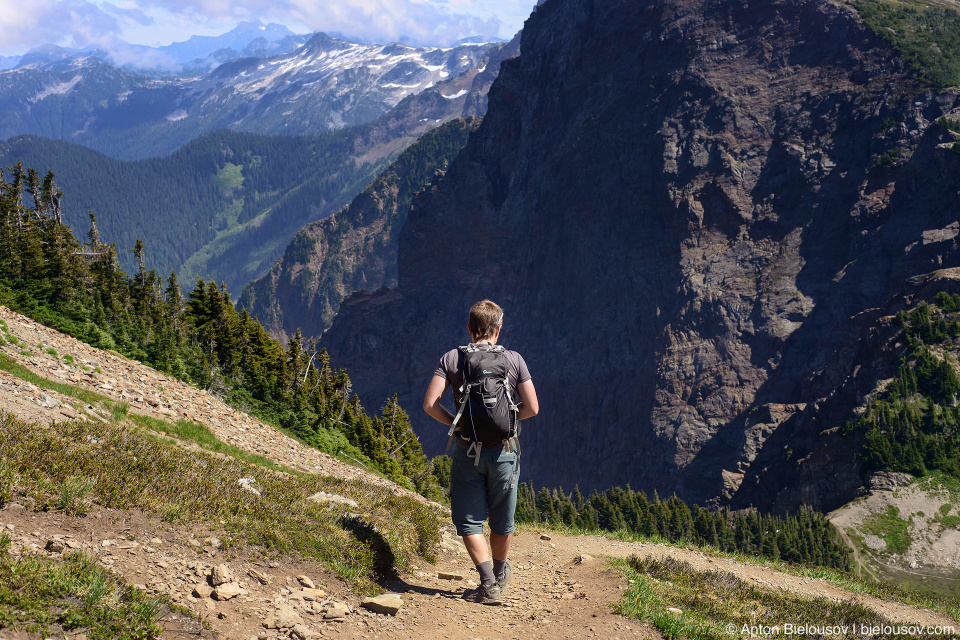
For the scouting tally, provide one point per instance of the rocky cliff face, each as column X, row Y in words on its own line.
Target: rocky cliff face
column 685, row 208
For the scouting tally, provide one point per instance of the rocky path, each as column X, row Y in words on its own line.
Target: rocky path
column 563, row 587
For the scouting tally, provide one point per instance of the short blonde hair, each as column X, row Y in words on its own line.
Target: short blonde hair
column 485, row 317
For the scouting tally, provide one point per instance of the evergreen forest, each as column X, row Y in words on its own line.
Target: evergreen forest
column 912, row 426
column 803, row 538
column 224, row 204
column 81, row 289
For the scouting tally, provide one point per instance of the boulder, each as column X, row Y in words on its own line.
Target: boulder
column 388, row 603
column 302, row 632
column 226, row 591
column 220, row 574
column 55, row 546
column 283, row 618
column 202, row 590
column 322, row 497
column 306, row 582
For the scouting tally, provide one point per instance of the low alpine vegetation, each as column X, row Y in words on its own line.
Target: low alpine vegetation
column 73, row 465
column 39, row 595
column 925, row 34
column 684, row 602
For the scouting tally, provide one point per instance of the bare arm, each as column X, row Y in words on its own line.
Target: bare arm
column 528, row 396
column 431, row 401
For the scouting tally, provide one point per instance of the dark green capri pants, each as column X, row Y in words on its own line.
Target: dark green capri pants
column 482, row 490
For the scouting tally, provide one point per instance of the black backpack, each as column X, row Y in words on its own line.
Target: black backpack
column 488, row 411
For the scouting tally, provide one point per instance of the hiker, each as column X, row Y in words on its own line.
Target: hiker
column 488, row 381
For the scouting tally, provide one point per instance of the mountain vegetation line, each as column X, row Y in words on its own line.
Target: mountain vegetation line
column 912, row 425
column 199, row 337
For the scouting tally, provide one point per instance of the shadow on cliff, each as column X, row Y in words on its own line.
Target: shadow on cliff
column 856, row 270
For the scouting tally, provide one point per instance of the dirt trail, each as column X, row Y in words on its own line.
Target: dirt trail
column 552, row 596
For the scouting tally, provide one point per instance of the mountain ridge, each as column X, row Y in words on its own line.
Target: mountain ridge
column 324, row 84
column 660, row 220
column 225, row 238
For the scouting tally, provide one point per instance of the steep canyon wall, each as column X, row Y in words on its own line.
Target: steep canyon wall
column 686, row 209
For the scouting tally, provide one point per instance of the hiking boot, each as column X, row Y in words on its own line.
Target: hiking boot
column 484, row 595
column 504, row 579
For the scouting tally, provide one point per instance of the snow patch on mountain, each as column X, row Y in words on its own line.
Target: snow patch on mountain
column 57, row 89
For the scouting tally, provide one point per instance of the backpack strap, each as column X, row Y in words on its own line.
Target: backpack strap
column 464, row 392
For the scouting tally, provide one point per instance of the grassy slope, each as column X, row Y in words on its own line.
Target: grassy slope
column 126, row 461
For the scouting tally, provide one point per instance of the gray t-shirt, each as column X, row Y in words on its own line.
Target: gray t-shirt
column 448, row 369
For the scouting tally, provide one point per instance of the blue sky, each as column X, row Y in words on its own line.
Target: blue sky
column 78, row 23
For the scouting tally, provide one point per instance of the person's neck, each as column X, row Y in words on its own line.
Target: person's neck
column 491, row 340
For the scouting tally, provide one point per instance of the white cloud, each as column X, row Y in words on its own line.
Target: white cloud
column 77, row 23
column 72, row 23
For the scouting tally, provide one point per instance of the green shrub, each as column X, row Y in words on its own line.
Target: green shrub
column 925, row 35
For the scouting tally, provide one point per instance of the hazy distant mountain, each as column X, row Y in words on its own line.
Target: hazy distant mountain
column 197, row 55
column 197, row 47
column 325, row 84
column 225, row 205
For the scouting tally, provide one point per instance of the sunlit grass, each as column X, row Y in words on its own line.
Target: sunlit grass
column 121, row 467
column 683, row 602
column 37, row 593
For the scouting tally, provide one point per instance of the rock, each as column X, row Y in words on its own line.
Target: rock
column 306, row 582
column 888, row 480
column 544, row 536
column 313, row 594
column 674, row 611
column 202, row 590
column 301, row 632
column 737, row 316
column 212, row 542
column 336, row 611
column 449, row 576
column 284, row 618
column 55, row 546
column 220, row 574
column 583, row 559
column 247, row 485
column 226, row 591
column 323, row 497
column 262, row 578
column 156, row 541
column 388, row 603
column 51, row 402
